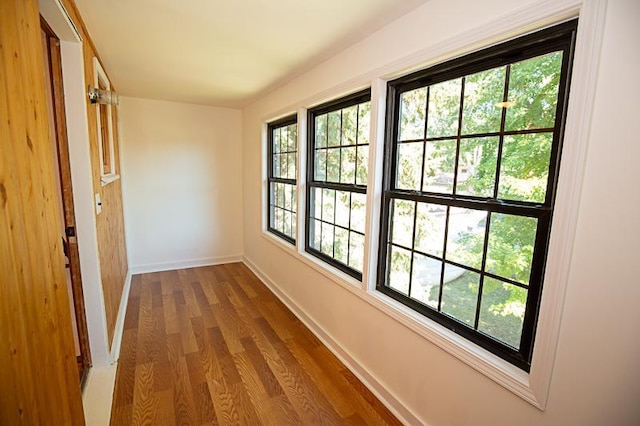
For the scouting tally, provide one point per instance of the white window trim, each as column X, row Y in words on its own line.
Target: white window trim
column 100, row 75
column 533, row 387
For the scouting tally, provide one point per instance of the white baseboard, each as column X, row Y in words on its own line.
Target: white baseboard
column 403, row 413
column 194, row 263
column 122, row 311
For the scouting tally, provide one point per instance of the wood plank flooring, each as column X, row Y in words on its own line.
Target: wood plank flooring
column 213, row 345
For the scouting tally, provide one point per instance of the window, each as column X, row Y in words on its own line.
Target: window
column 282, row 144
column 337, row 181
column 472, row 153
column 104, row 119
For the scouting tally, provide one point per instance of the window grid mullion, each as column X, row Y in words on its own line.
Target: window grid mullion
column 424, row 141
column 340, row 147
column 413, row 245
column 333, row 248
column 482, row 268
column 505, row 97
column 456, row 164
column 444, row 259
column 326, row 150
column 349, row 225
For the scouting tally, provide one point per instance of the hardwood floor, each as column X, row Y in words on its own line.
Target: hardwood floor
column 213, row 345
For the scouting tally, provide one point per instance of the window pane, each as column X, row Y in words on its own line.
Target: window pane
column 348, row 168
column 349, row 123
column 460, row 296
column 358, row 212
column 465, row 237
column 439, row 165
column 402, row 220
column 533, row 92
column 334, row 127
column 279, row 217
column 292, row 140
column 327, row 239
column 502, row 311
column 333, row 165
column 286, row 223
column 276, row 165
column 316, row 203
column 320, row 165
column 341, row 247
column 413, row 105
column 399, row 271
column 273, row 189
column 284, row 136
column 409, row 165
column 425, row 281
column 291, row 165
column 477, row 166
column 483, row 93
column 287, row 196
column 430, row 224
column 284, row 166
column 315, row 231
column 279, row 195
column 510, row 246
column 362, row 165
column 276, row 140
column 342, row 208
column 356, row 251
column 321, row 131
column 524, row 168
column 364, row 118
column 328, row 205
column 444, row 109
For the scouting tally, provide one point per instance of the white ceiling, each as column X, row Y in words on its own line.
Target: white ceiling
column 224, row 53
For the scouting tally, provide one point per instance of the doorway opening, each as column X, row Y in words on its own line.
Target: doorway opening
column 67, row 225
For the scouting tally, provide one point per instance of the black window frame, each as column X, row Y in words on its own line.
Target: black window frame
column 280, row 123
column 312, row 183
column 560, row 37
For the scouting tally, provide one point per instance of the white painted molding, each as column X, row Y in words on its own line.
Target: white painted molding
column 374, row 183
column 119, row 328
column 83, row 197
column 574, row 152
column 192, row 263
column 57, row 16
column 404, row 414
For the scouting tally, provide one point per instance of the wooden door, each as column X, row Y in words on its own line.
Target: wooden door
column 38, row 375
column 64, row 193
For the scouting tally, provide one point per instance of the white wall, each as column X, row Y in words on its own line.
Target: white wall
column 596, row 377
column 181, row 166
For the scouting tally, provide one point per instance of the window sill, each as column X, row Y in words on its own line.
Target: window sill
column 107, row 179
